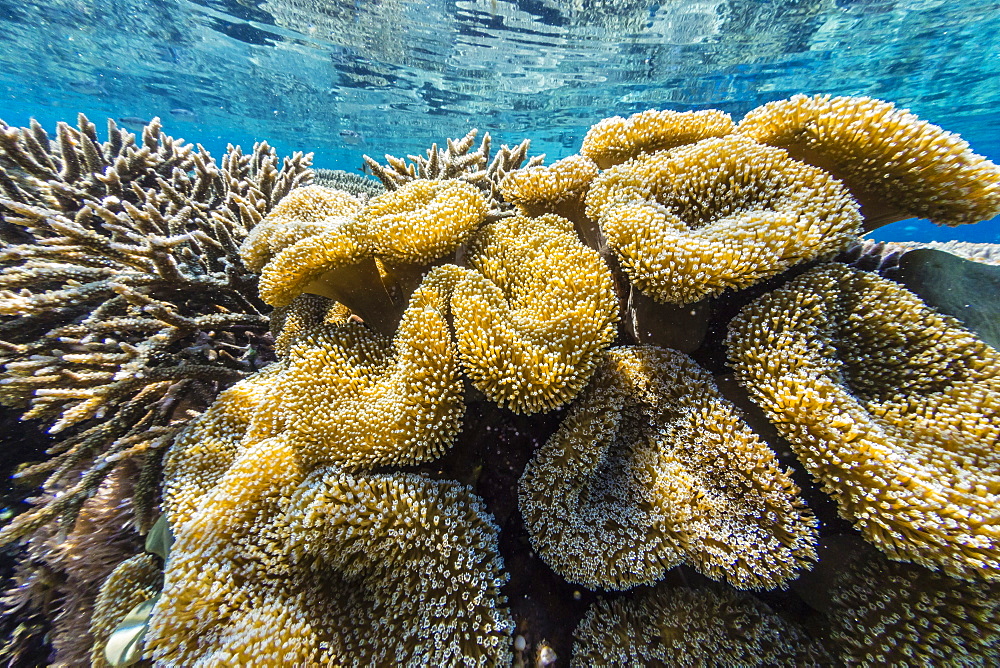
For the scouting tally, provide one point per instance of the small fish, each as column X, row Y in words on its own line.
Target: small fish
column 182, row 114
column 133, row 122
column 351, row 137
column 365, row 169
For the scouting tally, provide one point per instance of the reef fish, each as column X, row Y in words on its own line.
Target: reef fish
column 351, row 137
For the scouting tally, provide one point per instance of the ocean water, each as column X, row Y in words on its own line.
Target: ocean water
column 345, row 78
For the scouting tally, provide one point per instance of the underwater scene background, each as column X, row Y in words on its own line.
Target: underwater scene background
column 391, row 76
column 485, row 332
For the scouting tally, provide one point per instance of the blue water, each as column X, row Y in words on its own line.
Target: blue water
column 392, row 76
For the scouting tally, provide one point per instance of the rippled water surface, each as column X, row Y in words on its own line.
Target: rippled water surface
column 391, row 76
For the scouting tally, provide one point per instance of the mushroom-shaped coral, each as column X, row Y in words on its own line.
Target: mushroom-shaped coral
column 428, row 578
column 557, row 188
column 884, row 613
column 720, row 214
column 653, row 467
column 892, row 406
column 330, row 568
column 304, row 212
column 356, row 397
column 372, row 263
column 616, row 140
column 532, row 321
column 895, row 164
column 667, row 626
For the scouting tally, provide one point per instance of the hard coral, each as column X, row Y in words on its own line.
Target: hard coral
column 893, row 407
column 653, row 468
column 124, row 300
column 719, row 214
column 897, row 165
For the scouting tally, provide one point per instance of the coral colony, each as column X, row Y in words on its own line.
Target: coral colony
column 446, row 419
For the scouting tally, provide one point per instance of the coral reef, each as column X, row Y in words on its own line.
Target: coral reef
column 653, row 467
column 357, row 185
column 897, row 165
column 893, row 408
column 440, row 441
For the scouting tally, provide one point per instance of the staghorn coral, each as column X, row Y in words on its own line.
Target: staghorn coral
column 300, row 575
column 124, row 302
column 616, row 140
column 891, row 613
column 678, row 626
column 719, row 214
column 356, row 184
column 531, row 321
column 456, row 162
column 895, row 164
column 652, row 468
column 893, row 407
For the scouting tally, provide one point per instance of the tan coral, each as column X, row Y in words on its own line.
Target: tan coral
column 305, row 212
column 427, row 590
column 668, row 626
column 134, row 581
column 720, row 214
column 361, row 399
column 531, row 321
column 893, row 407
column 372, row 263
column 330, row 569
column 653, row 468
column 616, row 140
column 884, row 613
column 897, row 165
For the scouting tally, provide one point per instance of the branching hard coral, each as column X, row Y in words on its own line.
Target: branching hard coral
column 652, row 468
column 330, row 568
column 456, row 162
column 667, row 626
column 124, row 299
column 719, row 214
column 616, row 140
column 357, row 185
column 895, row 164
column 373, row 261
column 531, row 321
column 884, row 613
column 893, row 407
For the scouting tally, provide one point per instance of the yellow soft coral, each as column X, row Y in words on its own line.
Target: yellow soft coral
column 616, row 140
column 532, row 320
column 897, row 165
column 893, row 407
column 720, row 214
column 653, row 468
column 329, row 568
